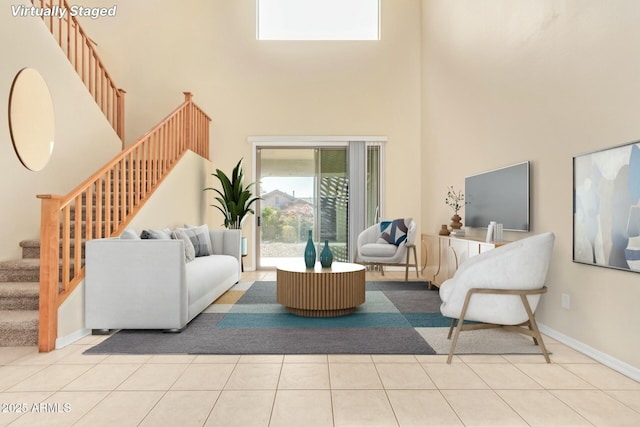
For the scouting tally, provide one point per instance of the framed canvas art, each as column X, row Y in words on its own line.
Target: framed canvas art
column 606, row 207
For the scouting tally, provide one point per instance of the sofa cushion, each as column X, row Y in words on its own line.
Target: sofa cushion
column 383, row 250
column 130, row 234
column 205, row 273
column 189, row 251
column 394, row 232
column 156, row 234
column 200, row 239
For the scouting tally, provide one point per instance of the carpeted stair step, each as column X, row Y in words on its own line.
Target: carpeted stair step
column 31, row 248
column 84, row 212
column 111, row 198
column 119, row 183
column 22, row 270
column 19, row 295
column 18, row 328
column 82, row 229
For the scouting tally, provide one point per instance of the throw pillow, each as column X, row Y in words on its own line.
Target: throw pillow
column 129, row 234
column 394, row 232
column 156, row 234
column 200, row 238
column 189, row 251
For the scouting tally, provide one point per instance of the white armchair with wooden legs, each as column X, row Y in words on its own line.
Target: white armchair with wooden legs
column 499, row 288
column 389, row 243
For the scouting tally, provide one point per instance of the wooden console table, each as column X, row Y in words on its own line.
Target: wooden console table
column 320, row 292
column 443, row 254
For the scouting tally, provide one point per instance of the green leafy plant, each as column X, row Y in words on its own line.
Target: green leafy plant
column 235, row 199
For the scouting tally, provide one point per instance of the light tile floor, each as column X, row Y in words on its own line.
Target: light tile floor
column 65, row 388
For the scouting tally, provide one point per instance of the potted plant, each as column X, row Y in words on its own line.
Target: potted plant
column 455, row 201
column 235, row 200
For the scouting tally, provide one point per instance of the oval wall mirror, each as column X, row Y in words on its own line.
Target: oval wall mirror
column 31, row 120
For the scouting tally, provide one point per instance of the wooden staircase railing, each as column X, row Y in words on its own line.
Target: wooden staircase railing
column 109, row 199
column 80, row 51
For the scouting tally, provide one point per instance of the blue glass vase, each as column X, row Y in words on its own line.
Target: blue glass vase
column 326, row 256
column 310, row 253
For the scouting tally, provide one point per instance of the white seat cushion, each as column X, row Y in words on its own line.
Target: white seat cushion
column 385, row 250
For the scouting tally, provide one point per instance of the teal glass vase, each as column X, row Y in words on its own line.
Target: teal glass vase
column 326, row 256
column 310, row 253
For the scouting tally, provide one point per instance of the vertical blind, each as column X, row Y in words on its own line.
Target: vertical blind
column 357, row 192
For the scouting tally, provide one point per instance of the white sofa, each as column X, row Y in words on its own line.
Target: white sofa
column 147, row 284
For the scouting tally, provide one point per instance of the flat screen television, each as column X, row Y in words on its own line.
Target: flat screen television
column 500, row 195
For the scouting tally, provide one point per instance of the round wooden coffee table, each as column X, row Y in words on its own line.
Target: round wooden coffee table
column 320, row 292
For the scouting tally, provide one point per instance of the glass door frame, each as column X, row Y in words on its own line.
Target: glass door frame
column 311, row 142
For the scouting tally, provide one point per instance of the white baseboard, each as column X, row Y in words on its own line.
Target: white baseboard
column 613, row 363
column 62, row 342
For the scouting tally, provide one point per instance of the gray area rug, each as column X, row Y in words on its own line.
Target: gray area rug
column 397, row 318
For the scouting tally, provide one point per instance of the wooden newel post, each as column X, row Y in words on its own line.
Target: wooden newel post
column 120, row 124
column 49, row 271
column 188, row 97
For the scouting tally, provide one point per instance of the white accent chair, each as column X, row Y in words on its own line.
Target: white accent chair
column 370, row 251
column 499, row 288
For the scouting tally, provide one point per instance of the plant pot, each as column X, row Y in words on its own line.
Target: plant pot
column 243, row 246
column 455, row 222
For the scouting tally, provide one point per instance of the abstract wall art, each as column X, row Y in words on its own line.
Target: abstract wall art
column 606, row 207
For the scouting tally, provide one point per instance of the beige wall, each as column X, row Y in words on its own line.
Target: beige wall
column 511, row 80
column 250, row 87
column 178, row 200
column 84, row 140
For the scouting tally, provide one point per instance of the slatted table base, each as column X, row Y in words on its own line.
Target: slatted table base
column 320, row 293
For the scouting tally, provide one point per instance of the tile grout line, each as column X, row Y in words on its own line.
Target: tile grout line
column 165, row 392
column 607, row 392
column 275, row 393
column 384, row 389
column 331, row 402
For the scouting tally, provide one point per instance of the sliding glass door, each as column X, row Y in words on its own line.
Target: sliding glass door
column 302, row 190
column 307, row 189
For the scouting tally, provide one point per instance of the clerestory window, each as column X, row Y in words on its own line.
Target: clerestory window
column 318, row 19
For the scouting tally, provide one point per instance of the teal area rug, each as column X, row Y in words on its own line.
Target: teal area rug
column 387, row 305
column 396, row 318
